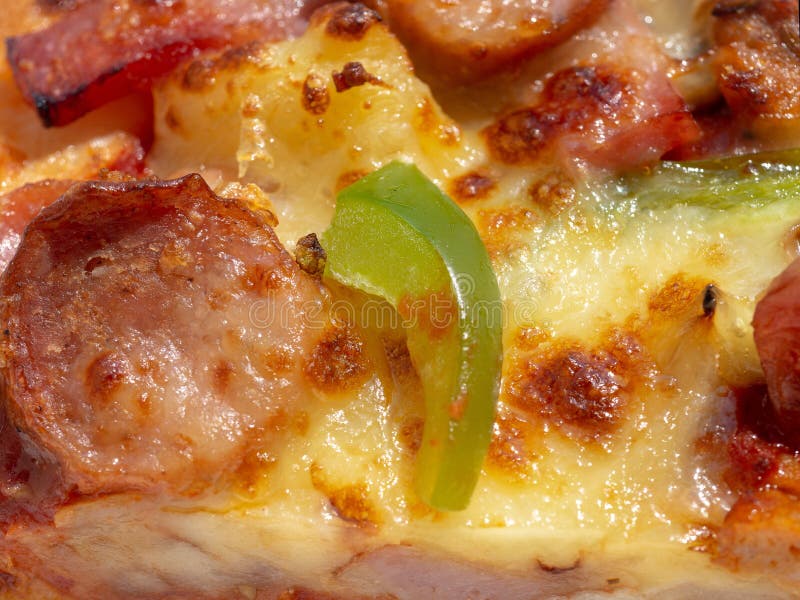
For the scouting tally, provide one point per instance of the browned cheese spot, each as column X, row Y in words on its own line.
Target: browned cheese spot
column 351, row 502
column 201, row 74
column 677, row 296
column 410, row 434
column 584, row 393
column 198, row 76
column 353, row 74
column 428, row 122
column 338, row 362
column 475, row 185
column 348, row 178
column 503, row 230
column 315, row 96
column 351, row 21
column 509, row 450
column 554, row 193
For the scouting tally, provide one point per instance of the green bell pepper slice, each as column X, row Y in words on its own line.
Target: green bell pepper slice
column 396, row 235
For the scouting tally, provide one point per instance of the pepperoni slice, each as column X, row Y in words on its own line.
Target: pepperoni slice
column 153, row 333
column 468, row 40
column 105, row 49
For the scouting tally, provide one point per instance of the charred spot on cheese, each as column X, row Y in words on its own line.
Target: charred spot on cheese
column 348, row 178
column 571, row 100
column 349, row 21
column 172, row 120
column 474, row 185
column 504, row 230
column 351, row 501
column 510, row 450
column 584, row 393
column 120, row 386
column 554, row 193
column 352, row 75
column 338, row 362
column 410, row 435
column 682, row 295
column 315, row 97
column 200, row 74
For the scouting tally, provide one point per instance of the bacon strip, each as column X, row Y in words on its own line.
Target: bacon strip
column 605, row 100
column 154, row 338
column 105, row 49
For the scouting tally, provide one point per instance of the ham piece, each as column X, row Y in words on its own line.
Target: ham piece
column 102, row 50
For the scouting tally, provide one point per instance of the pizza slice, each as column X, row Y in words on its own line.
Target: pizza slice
column 195, row 407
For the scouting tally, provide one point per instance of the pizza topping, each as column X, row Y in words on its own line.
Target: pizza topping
column 18, row 208
column 777, row 324
column 757, row 64
column 33, row 186
column 153, row 333
column 602, row 98
column 120, row 47
column 463, row 41
column 397, row 236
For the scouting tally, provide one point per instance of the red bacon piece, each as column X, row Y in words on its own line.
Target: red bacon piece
column 605, row 100
column 105, row 49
